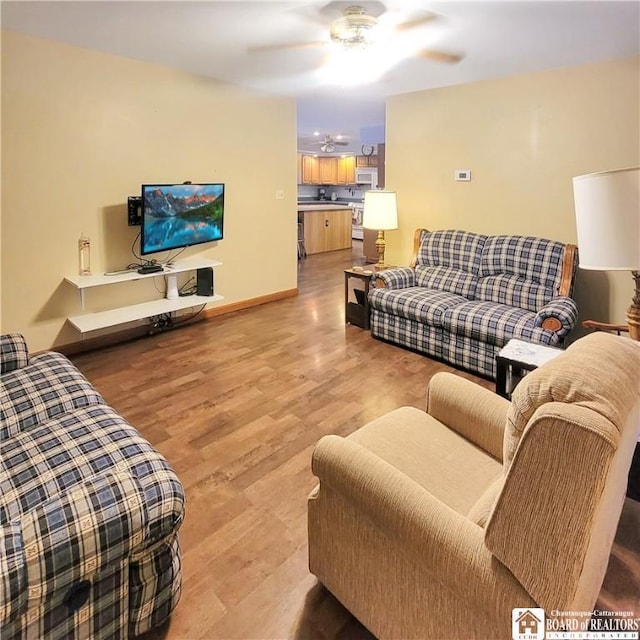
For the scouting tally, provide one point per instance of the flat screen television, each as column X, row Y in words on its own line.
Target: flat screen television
column 180, row 215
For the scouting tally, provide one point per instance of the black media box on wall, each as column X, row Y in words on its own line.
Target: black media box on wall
column 134, row 210
column 204, row 281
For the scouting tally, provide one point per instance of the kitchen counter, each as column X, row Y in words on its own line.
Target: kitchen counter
column 325, row 226
column 322, row 206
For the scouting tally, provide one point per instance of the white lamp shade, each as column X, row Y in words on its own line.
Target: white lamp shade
column 607, row 208
column 380, row 210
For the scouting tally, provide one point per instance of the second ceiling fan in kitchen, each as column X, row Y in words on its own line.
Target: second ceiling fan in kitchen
column 329, row 144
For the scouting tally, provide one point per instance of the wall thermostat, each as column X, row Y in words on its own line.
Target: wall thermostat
column 463, row 175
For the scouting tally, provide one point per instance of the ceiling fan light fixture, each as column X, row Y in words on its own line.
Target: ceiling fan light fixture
column 355, row 29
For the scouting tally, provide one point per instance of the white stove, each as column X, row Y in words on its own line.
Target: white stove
column 357, row 232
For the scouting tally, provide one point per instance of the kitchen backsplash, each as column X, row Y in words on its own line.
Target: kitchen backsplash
column 343, row 194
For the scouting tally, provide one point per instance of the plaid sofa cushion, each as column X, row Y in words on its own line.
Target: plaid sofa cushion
column 48, row 387
column 13, row 352
column 449, row 260
column 514, row 291
column 55, row 457
column 495, row 323
column 415, row 303
column 412, row 334
column 455, row 281
column 520, row 271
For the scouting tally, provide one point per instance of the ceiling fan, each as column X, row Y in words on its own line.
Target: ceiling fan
column 329, row 144
column 355, row 29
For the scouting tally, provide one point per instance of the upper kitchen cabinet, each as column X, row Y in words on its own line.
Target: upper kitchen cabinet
column 346, row 170
column 326, row 169
column 366, row 161
column 310, row 170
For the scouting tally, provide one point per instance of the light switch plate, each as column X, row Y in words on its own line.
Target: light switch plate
column 463, row 175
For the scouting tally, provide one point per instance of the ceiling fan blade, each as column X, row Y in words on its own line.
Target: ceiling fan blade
column 416, row 22
column 265, row 48
column 341, row 143
column 440, row 56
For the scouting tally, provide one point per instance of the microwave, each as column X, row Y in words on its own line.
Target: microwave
column 367, row 178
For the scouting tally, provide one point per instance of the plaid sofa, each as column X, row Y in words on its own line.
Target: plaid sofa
column 466, row 295
column 89, row 511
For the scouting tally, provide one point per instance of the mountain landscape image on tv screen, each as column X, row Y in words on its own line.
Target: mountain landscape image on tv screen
column 180, row 215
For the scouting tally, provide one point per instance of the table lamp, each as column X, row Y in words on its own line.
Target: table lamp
column 607, row 208
column 380, row 213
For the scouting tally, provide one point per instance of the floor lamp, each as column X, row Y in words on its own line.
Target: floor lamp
column 380, row 213
column 607, row 208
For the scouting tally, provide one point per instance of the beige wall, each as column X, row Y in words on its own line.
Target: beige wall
column 523, row 138
column 81, row 131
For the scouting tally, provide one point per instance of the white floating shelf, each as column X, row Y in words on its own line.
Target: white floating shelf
column 103, row 319
column 112, row 317
column 99, row 280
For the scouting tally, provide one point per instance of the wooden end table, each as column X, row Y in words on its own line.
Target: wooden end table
column 356, row 306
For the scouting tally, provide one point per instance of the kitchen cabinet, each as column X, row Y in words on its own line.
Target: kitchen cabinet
column 326, row 169
column 327, row 230
column 346, row 173
column 310, row 170
column 366, row 161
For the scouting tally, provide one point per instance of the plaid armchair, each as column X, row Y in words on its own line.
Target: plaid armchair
column 466, row 295
column 89, row 511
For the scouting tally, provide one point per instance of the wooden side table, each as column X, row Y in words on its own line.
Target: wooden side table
column 517, row 358
column 356, row 306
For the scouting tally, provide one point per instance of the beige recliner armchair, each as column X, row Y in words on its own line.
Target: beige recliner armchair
column 436, row 525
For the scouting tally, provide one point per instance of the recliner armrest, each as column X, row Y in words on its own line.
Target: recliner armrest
column 14, row 353
column 571, row 510
column 474, row 412
column 447, row 544
column 398, row 278
column 559, row 315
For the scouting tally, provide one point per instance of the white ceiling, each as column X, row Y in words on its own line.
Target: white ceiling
column 215, row 39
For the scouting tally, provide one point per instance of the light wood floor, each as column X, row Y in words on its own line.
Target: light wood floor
column 236, row 404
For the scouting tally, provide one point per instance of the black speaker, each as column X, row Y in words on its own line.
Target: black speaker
column 134, row 210
column 204, row 281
